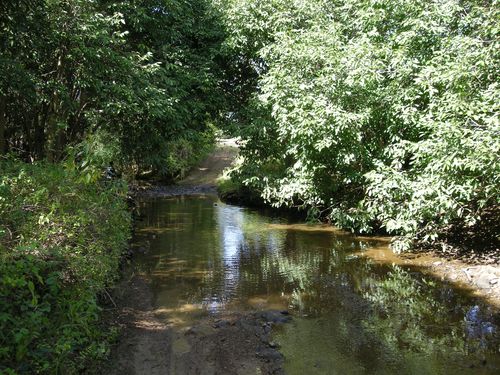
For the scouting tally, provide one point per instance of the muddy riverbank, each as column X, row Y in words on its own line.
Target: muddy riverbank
column 231, row 343
column 482, row 280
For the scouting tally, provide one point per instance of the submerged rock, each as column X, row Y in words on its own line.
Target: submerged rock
column 275, row 316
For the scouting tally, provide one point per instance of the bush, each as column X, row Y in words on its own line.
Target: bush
column 378, row 114
column 60, row 245
column 183, row 153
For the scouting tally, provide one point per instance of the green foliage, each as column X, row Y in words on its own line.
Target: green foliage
column 138, row 76
column 187, row 151
column 93, row 155
column 60, row 245
column 234, row 191
column 379, row 114
column 133, row 85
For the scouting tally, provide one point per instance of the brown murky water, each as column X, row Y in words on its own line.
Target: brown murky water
column 350, row 314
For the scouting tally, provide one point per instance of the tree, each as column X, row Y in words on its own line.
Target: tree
column 375, row 114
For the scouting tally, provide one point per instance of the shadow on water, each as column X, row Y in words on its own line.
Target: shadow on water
column 351, row 315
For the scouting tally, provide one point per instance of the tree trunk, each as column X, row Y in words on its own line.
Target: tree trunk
column 39, row 134
column 52, row 134
column 3, row 124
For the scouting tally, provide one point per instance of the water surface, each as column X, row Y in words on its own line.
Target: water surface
column 351, row 315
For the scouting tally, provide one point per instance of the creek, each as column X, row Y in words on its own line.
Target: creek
column 350, row 314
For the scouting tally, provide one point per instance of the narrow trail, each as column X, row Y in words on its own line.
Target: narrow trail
column 202, row 179
column 207, row 172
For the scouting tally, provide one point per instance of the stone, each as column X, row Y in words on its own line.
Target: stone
column 483, row 281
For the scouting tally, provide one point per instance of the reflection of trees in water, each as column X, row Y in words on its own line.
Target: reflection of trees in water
column 231, row 254
column 407, row 314
column 420, row 316
column 400, row 317
column 315, row 274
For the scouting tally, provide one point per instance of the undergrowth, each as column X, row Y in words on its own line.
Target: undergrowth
column 61, row 241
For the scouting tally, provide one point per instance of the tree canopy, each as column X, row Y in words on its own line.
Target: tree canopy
column 377, row 114
column 373, row 113
column 134, row 82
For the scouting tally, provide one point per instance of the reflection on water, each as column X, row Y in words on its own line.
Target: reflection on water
column 351, row 316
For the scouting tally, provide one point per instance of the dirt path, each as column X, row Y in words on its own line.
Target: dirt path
column 202, row 179
column 207, row 172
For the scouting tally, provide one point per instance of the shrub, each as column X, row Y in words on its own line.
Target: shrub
column 60, row 245
column 378, row 114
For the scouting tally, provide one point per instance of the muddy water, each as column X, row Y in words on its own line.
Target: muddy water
column 350, row 314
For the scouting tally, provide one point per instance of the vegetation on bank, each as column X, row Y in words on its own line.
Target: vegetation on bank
column 137, row 81
column 373, row 114
column 61, row 241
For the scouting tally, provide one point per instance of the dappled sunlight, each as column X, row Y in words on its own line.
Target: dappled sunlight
column 306, row 228
column 149, row 325
column 174, row 261
column 269, row 302
column 188, row 307
column 180, row 272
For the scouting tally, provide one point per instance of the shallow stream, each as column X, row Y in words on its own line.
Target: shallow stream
column 351, row 315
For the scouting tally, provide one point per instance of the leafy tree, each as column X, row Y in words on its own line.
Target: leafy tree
column 144, row 72
column 376, row 114
column 84, row 85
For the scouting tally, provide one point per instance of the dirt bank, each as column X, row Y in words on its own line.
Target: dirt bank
column 482, row 280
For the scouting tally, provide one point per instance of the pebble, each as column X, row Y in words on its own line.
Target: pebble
column 269, row 354
column 221, row 324
column 272, row 344
column 275, row 317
